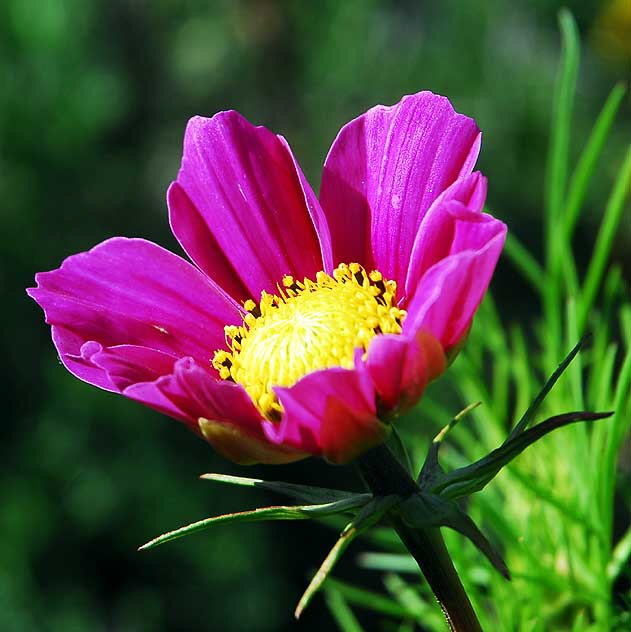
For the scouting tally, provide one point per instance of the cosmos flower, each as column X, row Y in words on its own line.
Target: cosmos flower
column 306, row 325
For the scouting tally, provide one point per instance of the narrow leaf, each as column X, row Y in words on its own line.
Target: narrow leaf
column 619, row 556
column 341, row 612
column 474, row 477
column 280, row 512
column 552, row 380
column 422, row 510
column 431, row 469
column 562, row 119
column 604, row 240
column 369, row 599
column 306, row 493
column 388, row 562
column 589, row 159
column 368, row 516
column 524, row 262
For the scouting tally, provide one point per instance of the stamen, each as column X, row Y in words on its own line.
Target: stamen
column 309, row 325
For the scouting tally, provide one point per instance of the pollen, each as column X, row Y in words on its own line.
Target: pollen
column 308, row 325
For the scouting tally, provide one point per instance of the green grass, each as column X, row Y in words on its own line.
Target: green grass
column 551, row 511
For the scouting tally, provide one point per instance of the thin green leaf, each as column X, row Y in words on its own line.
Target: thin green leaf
column 604, row 240
column 368, row 599
column 306, row 493
column 367, row 517
column 341, row 612
column 422, row 510
column 476, row 476
column 280, row 512
column 399, row 450
column 521, row 368
column 561, row 122
column 431, row 467
column 391, row 562
column 422, row 610
column 525, row 262
column 619, row 556
column 619, row 428
column 589, row 159
column 532, row 409
column 556, row 180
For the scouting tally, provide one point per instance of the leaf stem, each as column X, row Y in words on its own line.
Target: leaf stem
column 384, row 475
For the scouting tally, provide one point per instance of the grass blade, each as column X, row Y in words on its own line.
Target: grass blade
column 589, row 158
column 341, row 612
column 525, row 262
column 561, row 124
column 604, row 240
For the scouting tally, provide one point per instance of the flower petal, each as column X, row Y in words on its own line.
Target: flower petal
column 222, row 412
column 331, row 413
column 130, row 364
column 401, row 367
column 383, row 172
column 449, row 293
column 456, row 210
column 242, row 183
column 200, row 244
column 131, row 292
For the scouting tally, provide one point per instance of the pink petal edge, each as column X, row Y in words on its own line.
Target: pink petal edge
column 242, row 184
column 384, row 170
column 131, row 292
column 331, row 413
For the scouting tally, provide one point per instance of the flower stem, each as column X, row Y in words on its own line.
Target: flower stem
column 385, row 475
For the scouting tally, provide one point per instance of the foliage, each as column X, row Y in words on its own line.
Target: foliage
column 552, row 511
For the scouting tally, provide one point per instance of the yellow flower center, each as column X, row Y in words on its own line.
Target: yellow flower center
column 309, row 325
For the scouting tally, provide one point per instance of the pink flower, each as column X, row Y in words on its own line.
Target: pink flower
column 305, row 325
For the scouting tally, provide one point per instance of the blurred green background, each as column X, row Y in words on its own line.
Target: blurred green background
column 94, row 98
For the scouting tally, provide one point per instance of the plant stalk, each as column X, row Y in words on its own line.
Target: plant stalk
column 384, row 475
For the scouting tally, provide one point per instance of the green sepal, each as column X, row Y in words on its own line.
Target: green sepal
column 399, row 450
column 422, row 511
column 472, row 478
column 368, row 516
column 300, row 512
column 431, row 472
column 305, row 493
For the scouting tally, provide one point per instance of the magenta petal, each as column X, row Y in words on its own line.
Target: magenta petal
column 221, row 411
column 383, row 172
column 449, row 293
column 200, row 244
column 241, row 183
column 401, row 366
column 131, row 292
column 129, row 364
column 331, row 413
column 457, row 207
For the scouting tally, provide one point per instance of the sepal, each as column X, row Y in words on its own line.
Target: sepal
column 423, row 510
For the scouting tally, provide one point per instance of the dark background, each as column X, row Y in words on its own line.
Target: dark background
column 94, row 98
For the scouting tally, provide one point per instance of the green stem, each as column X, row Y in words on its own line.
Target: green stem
column 384, row 475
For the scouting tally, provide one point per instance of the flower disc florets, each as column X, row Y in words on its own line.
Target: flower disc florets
column 309, row 325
